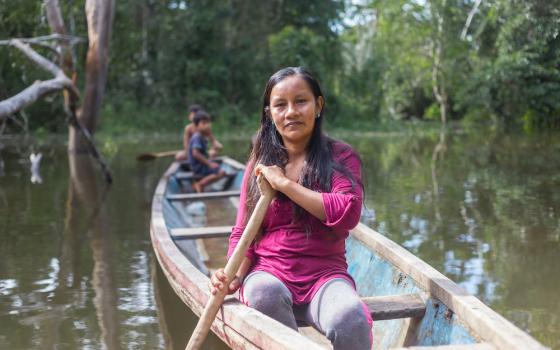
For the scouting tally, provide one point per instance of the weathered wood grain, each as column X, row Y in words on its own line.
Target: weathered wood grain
column 484, row 322
column 203, row 195
column 395, row 306
column 201, row 232
column 477, row 346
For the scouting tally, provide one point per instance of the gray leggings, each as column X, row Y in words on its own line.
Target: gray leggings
column 336, row 309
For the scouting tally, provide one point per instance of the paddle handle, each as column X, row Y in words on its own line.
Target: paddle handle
column 216, row 300
column 166, row 153
column 152, row 156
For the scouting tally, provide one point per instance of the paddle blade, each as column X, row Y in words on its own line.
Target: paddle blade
column 146, row 157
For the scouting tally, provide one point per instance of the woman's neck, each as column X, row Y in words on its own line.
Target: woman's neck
column 296, row 150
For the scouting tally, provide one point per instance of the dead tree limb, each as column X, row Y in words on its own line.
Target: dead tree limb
column 82, row 119
column 29, row 95
column 39, row 88
column 470, row 17
column 70, row 39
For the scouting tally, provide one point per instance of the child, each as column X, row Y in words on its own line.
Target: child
column 200, row 164
column 188, row 133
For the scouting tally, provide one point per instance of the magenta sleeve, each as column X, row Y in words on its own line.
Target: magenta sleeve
column 240, row 224
column 343, row 204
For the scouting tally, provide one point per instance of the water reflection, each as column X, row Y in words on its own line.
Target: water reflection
column 35, row 160
column 61, row 282
column 481, row 208
column 176, row 321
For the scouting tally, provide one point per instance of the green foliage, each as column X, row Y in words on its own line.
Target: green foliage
column 433, row 112
column 376, row 60
column 519, row 80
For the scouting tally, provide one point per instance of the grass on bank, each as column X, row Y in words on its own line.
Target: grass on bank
column 127, row 120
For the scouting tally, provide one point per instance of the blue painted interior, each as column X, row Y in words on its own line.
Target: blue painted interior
column 375, row 276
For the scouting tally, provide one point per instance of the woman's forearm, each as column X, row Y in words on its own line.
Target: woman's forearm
column 243, row 268
column 309, row 200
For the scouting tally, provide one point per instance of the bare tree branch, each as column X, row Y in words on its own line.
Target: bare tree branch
column 99, row 15
column 39, row 88
column 473, row 11
column 37, row 58
column 72, row 40
column 29, row 95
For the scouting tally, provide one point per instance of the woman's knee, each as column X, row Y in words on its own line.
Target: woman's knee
column 349, row 328
column 269, row 295
column 265, row 292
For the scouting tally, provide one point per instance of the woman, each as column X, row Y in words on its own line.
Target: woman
column 296, row 270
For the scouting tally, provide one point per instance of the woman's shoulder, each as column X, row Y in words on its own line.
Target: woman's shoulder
column 342, row 151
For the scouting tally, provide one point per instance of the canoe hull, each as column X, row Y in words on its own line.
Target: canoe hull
column 379, row 266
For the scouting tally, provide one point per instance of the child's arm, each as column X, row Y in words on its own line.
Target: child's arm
column 201, row 158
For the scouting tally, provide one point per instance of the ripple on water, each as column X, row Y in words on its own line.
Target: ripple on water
column 7, row 286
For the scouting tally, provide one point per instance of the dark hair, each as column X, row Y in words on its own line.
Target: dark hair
column 200, row 116
column 269, row 148
column 194, row 108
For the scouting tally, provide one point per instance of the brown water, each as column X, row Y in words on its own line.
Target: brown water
column 483, row 208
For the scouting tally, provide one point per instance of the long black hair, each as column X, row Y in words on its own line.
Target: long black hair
column 269, row 149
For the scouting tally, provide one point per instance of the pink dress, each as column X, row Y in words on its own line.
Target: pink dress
column 305, row 261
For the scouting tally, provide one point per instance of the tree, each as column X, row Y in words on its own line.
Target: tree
column 83, row 119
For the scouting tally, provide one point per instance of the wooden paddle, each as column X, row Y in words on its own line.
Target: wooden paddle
column 151, row 156
column 251, row 230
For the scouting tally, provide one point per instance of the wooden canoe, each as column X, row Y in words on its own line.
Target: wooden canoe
column 413, row 305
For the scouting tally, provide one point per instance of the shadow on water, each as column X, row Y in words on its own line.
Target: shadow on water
column 91, row 196
column 176, row 321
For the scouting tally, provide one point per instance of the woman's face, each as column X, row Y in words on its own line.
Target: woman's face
column 293, row 109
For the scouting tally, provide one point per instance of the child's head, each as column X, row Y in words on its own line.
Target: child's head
column 202, row 122
column 193, row 109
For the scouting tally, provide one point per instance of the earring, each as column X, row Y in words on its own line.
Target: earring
column 318, row 115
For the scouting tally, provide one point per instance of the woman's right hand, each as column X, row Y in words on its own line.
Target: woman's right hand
column 219, row 279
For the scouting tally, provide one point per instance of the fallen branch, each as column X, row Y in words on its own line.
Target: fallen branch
column 70, row 39
column 29, row 95
column 470, row 17
column 39, row 88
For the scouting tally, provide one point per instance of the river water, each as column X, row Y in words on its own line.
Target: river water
column 481, row 207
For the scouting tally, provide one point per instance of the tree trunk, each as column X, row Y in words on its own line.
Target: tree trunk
column 438, row 78
column 99, row 15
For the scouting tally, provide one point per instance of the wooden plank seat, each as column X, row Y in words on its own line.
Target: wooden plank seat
column 203, row 195
column 390, row 307
column 201, row 232
column 382, row 308
column 477, row 346
column 395, row 306
column 189, row 175
column 186, row 175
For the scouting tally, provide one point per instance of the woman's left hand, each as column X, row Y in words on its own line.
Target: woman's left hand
column 273, row 174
